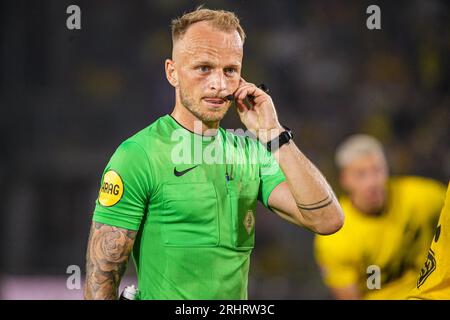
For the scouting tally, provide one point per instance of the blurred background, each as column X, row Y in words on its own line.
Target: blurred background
column 68, row 98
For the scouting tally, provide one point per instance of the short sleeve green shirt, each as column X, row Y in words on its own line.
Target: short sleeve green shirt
column 192, row 200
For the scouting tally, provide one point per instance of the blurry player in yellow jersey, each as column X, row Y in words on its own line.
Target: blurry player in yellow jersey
column 389, row 225
column 434, row 279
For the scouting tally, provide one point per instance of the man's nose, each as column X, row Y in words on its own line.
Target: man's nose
column 218, row 81
column 372, row 181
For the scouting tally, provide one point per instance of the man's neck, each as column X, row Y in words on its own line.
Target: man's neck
column 189, row 121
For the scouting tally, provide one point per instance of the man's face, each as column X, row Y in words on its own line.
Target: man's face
column 365, row 181
column 207, row 66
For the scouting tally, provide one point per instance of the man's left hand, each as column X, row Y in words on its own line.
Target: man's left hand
column 262, row 117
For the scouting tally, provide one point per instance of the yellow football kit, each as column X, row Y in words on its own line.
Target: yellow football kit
column 394, row 241
column 434, row 279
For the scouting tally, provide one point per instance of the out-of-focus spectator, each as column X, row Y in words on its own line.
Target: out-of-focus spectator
column 388, row 226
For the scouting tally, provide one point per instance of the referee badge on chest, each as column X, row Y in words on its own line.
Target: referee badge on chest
column 249, row 221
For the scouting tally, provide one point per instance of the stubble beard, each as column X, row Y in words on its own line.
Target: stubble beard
column 200, row 113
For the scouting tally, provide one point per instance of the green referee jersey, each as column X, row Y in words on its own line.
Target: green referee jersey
column 192, row 200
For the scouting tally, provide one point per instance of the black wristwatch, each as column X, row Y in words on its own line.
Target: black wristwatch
column 283, row 138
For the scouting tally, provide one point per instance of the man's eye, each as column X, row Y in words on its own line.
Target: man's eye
column 204, row 68
column 230, row 71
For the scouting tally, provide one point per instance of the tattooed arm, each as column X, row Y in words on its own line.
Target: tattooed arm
column 106, row 260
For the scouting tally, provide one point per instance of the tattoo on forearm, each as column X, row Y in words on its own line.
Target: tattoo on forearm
column 316, row 205
column 106, row 260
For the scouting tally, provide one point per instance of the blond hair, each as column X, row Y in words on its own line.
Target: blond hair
column 356, row 146
column 220, row 19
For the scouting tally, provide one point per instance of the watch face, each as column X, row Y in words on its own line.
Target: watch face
column 288, row 131
column 283, row 138
column 287, row 135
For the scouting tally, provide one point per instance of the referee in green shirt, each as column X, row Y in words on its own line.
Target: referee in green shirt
column 181, row 194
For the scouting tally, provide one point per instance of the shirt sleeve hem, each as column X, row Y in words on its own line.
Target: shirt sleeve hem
column 114, row 221
column 274, row 184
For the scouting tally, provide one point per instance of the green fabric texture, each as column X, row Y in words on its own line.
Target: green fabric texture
column 192, row 200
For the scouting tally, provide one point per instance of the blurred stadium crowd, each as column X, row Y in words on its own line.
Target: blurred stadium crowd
column 68, row 98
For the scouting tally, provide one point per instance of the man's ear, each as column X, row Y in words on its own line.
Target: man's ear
column 171, row 73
